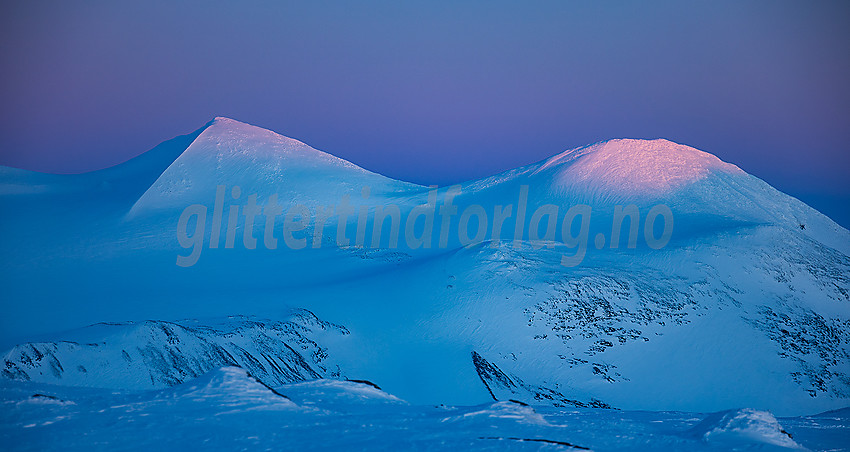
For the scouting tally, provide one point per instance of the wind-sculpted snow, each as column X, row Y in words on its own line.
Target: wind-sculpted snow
column 157, row 354
column 738, row 427
column 227, row 409
column 232, row 388
column 340, row 395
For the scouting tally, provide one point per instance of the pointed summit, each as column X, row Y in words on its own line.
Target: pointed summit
column 259, row 161
column 229, row 137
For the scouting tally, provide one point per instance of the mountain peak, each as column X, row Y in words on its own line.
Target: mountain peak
column 227, row 129
column 635, row 166
column 233, row 153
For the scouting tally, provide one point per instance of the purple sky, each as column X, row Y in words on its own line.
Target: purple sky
column 433, row 93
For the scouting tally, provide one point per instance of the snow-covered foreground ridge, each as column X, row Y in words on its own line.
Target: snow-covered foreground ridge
column 227, row 409
column 747, row 304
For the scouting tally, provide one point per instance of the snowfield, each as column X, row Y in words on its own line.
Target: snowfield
column 227, row 409
column 732, row 335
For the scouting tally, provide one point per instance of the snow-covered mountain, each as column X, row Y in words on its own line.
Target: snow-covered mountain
column 748, row 304
column 157, row 354
column 233, row 153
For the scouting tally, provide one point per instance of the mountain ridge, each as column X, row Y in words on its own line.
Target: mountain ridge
column 750, row 298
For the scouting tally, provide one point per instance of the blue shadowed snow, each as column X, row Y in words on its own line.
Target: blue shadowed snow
column 748, row 305
column 227, row 409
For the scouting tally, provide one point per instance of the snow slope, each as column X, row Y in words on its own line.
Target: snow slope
column 703, row 191
column 748, row 304
column 227, row 409
column 260, row 162
column 156, row 354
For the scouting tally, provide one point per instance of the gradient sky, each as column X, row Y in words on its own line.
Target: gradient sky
column 437, row 92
